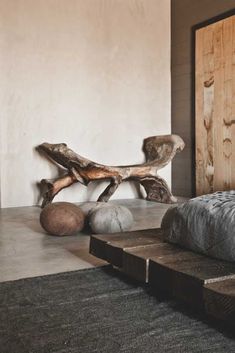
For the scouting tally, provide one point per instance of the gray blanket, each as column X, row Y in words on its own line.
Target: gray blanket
column 205, row 224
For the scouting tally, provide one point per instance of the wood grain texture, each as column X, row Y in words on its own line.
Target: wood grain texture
column 183, row 275
column 184, row 15
column 159, row 151
column 198, row 280
column 219, row 298
column 109, row 247
column 136, row 260
column 115, row 248
column 215, row 93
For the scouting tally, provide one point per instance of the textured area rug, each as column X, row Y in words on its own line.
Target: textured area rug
column 99, row 310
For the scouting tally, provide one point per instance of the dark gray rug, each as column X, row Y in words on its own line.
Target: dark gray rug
column 99, row 310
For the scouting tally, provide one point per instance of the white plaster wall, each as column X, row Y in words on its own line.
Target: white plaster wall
column 92, row 73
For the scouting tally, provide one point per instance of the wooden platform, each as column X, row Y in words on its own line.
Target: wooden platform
column 198, row 280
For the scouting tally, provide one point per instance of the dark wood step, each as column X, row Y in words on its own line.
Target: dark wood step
column 136, row 260
column 110, row 247
column 219, row 298
column 184, row 275
column 196, row 279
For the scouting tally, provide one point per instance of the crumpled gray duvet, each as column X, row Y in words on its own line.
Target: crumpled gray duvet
column 205, row 224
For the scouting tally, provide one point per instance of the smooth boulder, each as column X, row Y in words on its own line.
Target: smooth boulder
column 88, row 207
column 62, row 218
column 110, row 219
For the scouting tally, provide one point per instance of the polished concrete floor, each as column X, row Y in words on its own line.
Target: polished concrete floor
column 27, row 251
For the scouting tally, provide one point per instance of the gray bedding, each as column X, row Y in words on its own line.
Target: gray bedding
column 205, row 224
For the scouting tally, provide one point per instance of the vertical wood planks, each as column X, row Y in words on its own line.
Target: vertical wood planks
column 215, row 107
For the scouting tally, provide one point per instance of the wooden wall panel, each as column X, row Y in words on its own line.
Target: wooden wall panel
column 215, row 107
column 185, row 14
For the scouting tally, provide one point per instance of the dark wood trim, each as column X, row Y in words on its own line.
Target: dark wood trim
column 214, row 19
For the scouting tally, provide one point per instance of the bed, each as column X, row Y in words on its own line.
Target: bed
column 204, row 224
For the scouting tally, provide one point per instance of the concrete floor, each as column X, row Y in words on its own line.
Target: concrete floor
column 27, row 251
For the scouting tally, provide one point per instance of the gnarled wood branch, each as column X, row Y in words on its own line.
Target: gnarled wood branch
column 159, row 151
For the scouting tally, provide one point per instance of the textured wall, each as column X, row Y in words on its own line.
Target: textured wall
column 94, row 74
column 184, row 15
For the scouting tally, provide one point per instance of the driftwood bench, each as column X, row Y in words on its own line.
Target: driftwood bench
column 159, row 151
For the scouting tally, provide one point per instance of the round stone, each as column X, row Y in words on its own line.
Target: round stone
column 62, row 218
column 88, row 207
column 110, row 219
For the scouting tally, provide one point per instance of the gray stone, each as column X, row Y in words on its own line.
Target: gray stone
column 87, row 207
column 205, row 224
column 110, row 219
